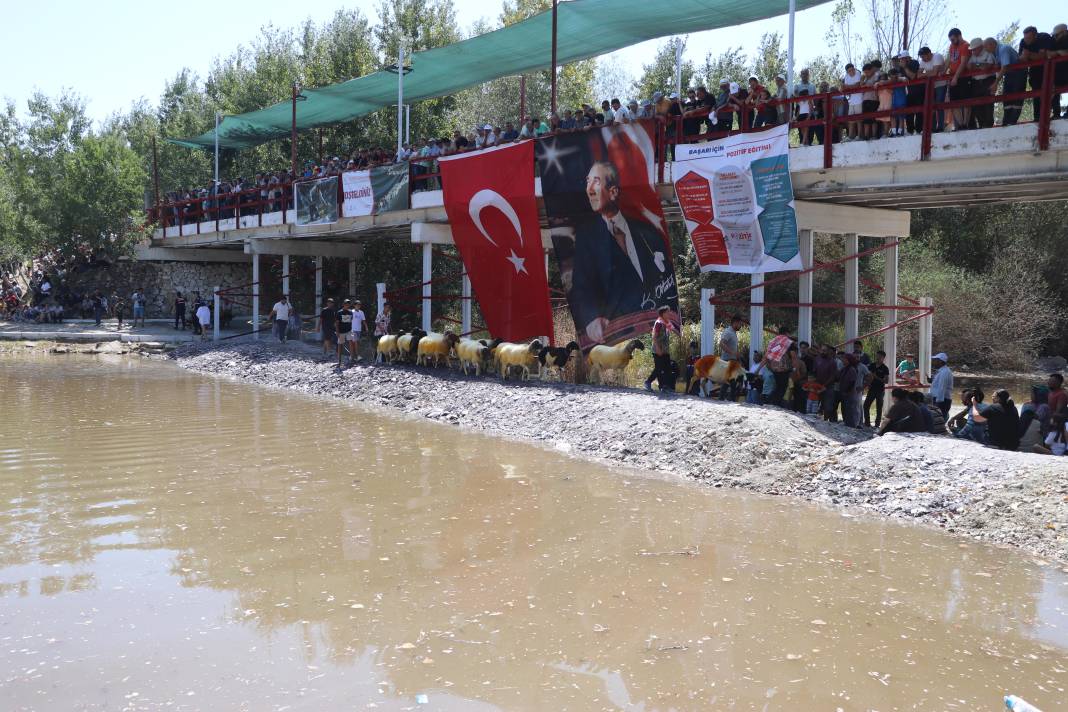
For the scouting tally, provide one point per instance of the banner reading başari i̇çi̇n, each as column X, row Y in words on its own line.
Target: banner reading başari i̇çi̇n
column 738, row 202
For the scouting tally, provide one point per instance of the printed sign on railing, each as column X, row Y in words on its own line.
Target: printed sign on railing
column 316, row 201
column 738, row 202
column 379, row 190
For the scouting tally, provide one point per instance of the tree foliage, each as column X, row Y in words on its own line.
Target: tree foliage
column 659, row 74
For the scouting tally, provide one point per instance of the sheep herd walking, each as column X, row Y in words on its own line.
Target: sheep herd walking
column 502, row 357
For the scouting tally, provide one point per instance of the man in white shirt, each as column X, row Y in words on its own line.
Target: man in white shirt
column 621, row 112
column 855, row 100
column 491, row 138
column 280, row 318
column 933, row 64
column 728, row 351
column 204, row 317
column 358, row 319
column 942, row 383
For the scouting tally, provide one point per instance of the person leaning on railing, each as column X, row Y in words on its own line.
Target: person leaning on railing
column 984, row 83
column 1060, row 69
column 1034, row 46
column 1015, row 80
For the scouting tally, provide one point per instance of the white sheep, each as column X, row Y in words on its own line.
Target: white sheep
column 475, row 353
column 387, row 349
column 435, row 346
column 611, row 358
column 523, row 356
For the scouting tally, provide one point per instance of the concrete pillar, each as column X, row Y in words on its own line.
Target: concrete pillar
column 380, row 293
column 708, row 322
column 890, row 299
column 926, row 342
column 804, row 289
column 852, row 287
column 756, row 317
column 285, row 275
column 216, row 314
column 255, row 295
column 428, row 264
column 318, row 287
column 352, row 277
column 465, row 306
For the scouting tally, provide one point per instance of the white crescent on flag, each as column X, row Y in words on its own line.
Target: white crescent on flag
column 486, row 198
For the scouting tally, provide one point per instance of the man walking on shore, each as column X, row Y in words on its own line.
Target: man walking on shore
column 345, row 340
column 328, row 326
column 280, row 318
column 138, row 302
column 179, row 310
column 728, row 351
column 662, row 329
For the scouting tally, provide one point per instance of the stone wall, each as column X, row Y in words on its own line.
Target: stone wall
column 160, row 280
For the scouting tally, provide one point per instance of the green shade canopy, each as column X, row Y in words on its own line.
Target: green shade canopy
column 586, row 28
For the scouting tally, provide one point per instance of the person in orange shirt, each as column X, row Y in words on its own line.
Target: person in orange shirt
column 815, row 392
column 960, row 87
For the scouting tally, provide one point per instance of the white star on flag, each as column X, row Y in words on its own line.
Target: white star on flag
column 517, row 262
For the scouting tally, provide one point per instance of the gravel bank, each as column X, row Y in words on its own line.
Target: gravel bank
column 1013, row 499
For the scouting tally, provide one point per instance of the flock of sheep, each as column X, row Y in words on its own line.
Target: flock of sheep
column 426, row 348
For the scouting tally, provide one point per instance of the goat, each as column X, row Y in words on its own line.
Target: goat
column 611, row 358
column 386, row 348
column 523, row 356
column 715, row 369
column 554, row 358
column 435, row 346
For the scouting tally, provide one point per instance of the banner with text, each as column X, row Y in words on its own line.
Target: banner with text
column 379, row 190
column 738, row 202
column 316, row 201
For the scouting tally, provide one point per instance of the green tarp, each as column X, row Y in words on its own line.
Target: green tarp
column 586, row 28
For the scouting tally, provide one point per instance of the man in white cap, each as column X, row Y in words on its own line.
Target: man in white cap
column 781, row 95
column 491, row 137
column 941, row 383
column 724, row 118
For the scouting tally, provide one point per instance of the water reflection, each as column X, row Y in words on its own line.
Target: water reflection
column 165, row 534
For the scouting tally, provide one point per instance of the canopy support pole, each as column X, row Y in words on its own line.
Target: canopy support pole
column 216, row 152
column 155, row 176
column 905, row 28
column 522, row 99
column 293, row 135
column 790, row 52
column 553, row 98
column 400, row 99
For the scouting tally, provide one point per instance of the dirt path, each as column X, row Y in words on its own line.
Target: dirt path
column 1007, row 498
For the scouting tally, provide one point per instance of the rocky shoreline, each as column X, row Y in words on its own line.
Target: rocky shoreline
column 1005, row 498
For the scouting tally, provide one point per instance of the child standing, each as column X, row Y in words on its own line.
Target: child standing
column 815, row 394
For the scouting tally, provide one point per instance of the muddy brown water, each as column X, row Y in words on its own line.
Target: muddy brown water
column 178, row 542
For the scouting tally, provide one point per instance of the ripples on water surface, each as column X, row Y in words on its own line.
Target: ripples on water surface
column 171, row 541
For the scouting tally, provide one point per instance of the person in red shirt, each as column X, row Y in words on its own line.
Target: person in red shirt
column 1058, row 397
column 959, row 55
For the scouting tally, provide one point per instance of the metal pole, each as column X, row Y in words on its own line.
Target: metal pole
column 756, row 317
column 319, row 287
column 285, row 275
column 293, row 134
column 804, row 288
column 852, row 286
column 155, row 179
column 428, row 263
column 217, row 116
column 890, row 287
column 790, row 52
column 408, row 124
column 708, row 322
column 522, row 98
column 216, row 315
column 465, row 304
column 256, row 295
column 320, row 146
column 553, row 99
column 905, row 28
column 678, row 67
column 400, row 99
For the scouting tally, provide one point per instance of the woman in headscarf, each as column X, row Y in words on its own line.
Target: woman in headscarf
column 1003, row 422
column 1034, row 419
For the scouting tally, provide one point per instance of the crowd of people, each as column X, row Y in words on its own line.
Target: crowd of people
column 964, row 70
column 848, row 385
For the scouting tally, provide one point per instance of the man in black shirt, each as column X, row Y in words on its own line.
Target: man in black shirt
column 1036, row 45
column 343, row 322
column 880, row 375
column 179, row 310
column 328, row 326
column 913, row 92
column 1060, row 70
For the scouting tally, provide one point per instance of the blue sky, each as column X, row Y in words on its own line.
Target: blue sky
column 113, row 52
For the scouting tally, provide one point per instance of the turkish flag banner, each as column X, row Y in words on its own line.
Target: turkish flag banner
column 489, row 198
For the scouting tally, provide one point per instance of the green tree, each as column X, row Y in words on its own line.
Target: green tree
column 730, row 64
column 659, row 74
column 770, row 59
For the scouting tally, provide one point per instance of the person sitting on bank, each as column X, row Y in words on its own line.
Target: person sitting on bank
column 906, row 370
column 1035, row 419
column 1002, row 421
column 903, row 416
column 1056, row 442
column 964, row 424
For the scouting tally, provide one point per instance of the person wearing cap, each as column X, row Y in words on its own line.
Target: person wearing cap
column 343, row 328
column 279, row 318
column 941, row 383
column 491, row 137
column 1015, row 79
column 910, row 70
column 724, row 117
column 1060, row 70
column 983, row 83
column 959, row 55
column 1034, row 46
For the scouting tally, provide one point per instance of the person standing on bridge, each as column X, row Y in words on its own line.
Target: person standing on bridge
column 279, row 317
column 1015, row 79
column 1034, row 46
column 1060, row 70
column 960, row 86
column 933, row 64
